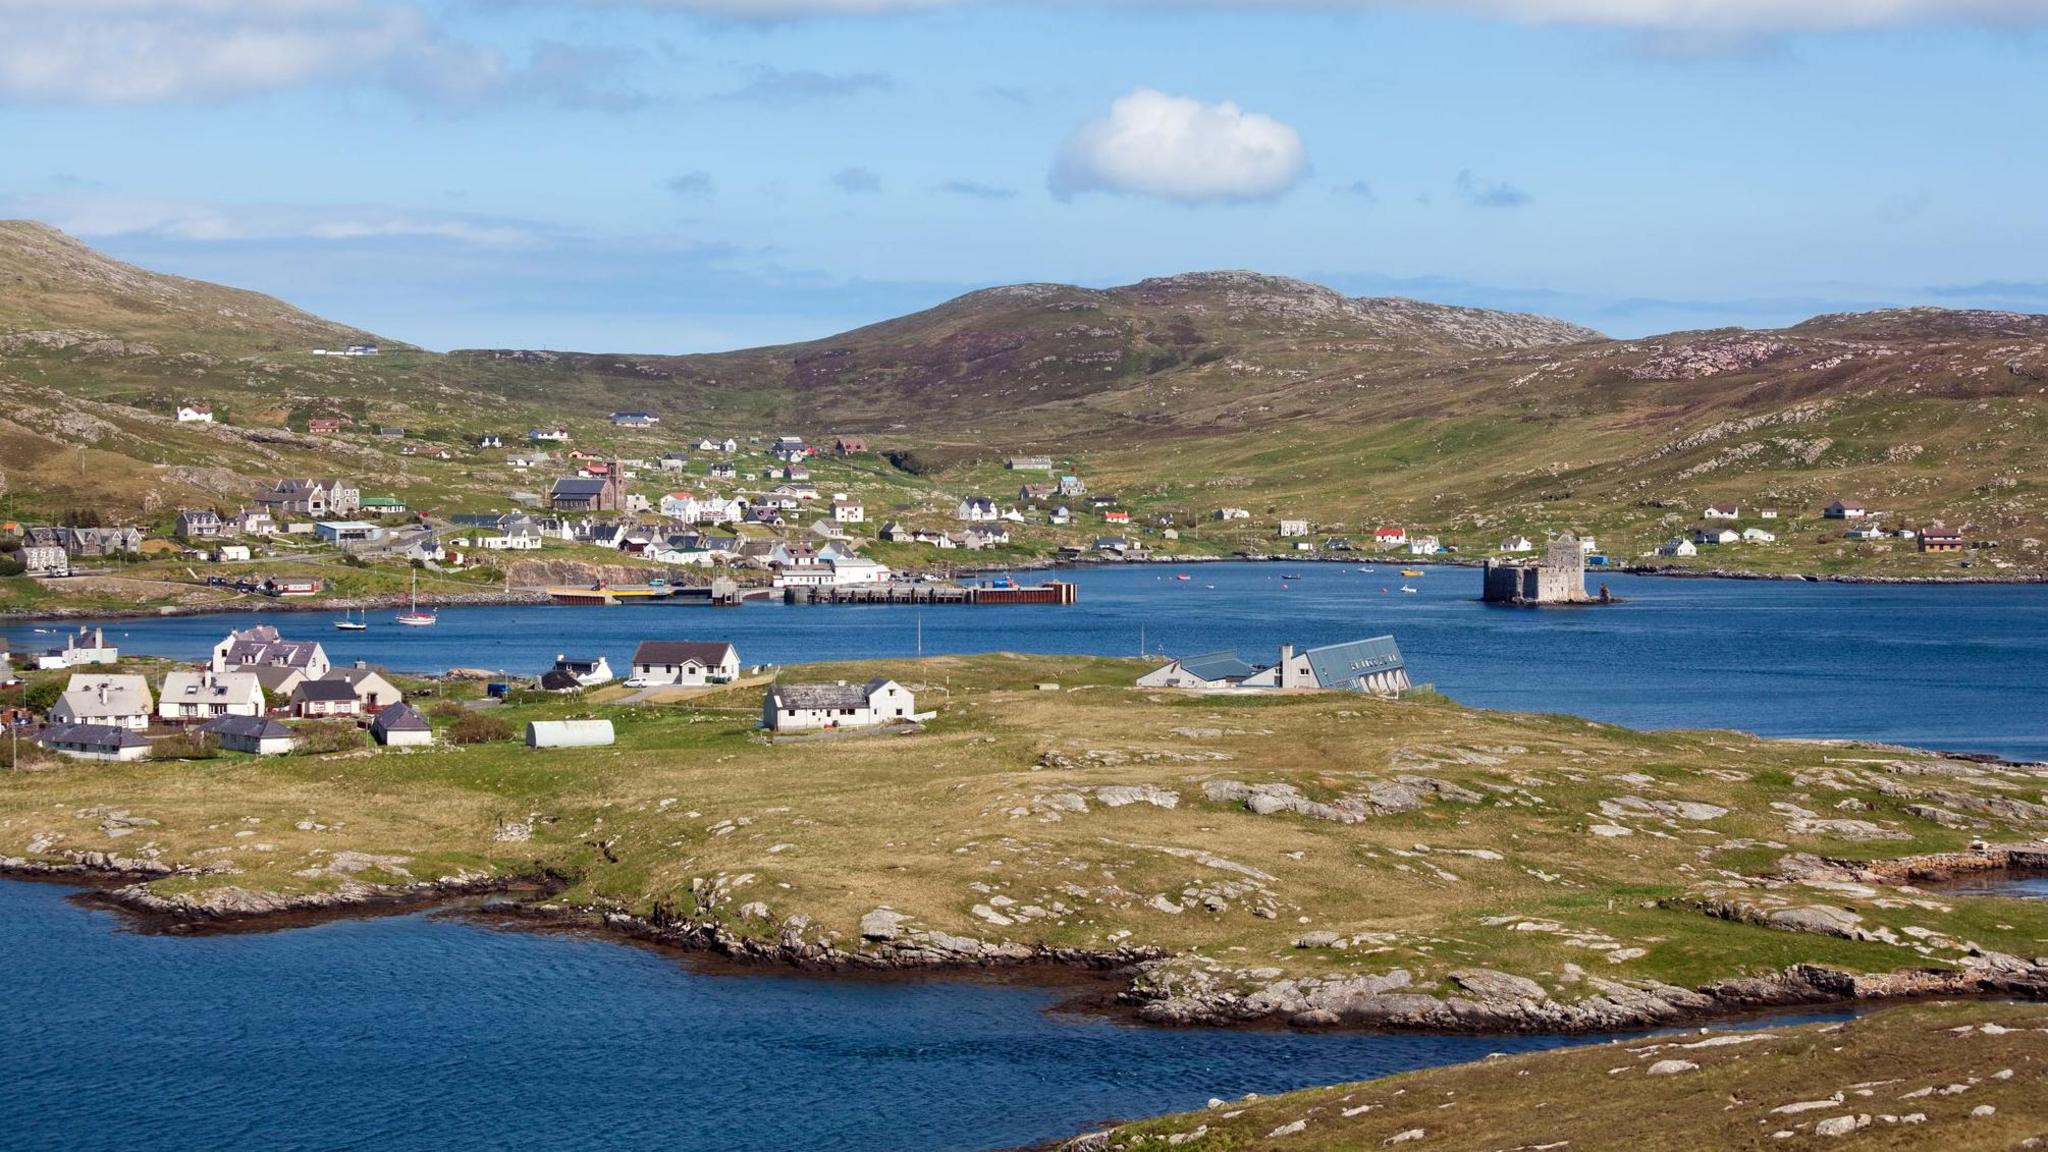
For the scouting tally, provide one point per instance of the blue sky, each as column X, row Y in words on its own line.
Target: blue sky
column 682, row 175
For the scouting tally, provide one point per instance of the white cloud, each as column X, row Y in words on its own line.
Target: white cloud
column 1175, row 148
column 1641, row 15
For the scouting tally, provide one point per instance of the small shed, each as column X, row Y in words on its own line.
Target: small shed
column 256, row 735
column 568, row 733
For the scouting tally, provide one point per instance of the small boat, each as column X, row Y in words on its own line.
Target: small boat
column 1407, row 589
column 412, row 617
column 347, row 625
column 1367, row 571
column 1183, row 576
column 1412, row 572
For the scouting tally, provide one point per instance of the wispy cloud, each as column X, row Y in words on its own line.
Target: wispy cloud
column 859, row 181
column 97, row 217
column 1360, row 190
column 1490, row 194
column 1641, row 15
column 775, row 86
column 158, row 51
column 975, row 190
column 691, row 185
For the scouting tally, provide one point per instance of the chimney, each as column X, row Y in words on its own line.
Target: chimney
column 103, row 692
column 1287, row 665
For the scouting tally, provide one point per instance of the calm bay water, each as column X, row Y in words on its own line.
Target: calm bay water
column 424, row 1032
column 1959, row 668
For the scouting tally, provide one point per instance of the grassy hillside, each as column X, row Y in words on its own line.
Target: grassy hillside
column 1179, row 394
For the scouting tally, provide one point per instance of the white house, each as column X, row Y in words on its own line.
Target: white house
column 230, row 553
column 1060, row 516
column 548, row 435
column 1759, row 536
column 1423, row 546
column 256, row 735
column 194, row 414
column 262, row 646
column 1847, row 510
column 1390, row 537
column 977, row 509
column 1294, row 528
column 1678, row 547
column 848, row 511
column 80, row 649
column 588, row 673
column 374, row 693
column 1228, row 514
column 849, row 570
column 401, row 726
column 811, row 707
column 1716, row 536
column 116, row 701
column 1769, row 513
column 1722, row 512
column 686, row 663
column 191, row 695
column 93, row 742
column 1517, row 544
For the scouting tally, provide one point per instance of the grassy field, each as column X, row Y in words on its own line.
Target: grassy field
column 1410, row 835
column 1947, row 1076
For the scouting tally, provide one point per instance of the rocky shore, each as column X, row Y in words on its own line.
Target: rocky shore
column 1159, row 988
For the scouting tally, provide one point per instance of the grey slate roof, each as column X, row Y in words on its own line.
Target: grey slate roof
column 102, row 735
column 579, row 487
column 825, row 695
column 400, row 718
column 1217, row 666
column 324, row 690
column 680, row 652
column 246, row 727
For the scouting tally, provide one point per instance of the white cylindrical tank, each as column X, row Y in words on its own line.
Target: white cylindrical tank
column 568, row 733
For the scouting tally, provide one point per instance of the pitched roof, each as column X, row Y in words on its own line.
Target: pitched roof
column 324, row 691
column 574, row 486
column 825, row 695
column 246, row 727
column 1217, row 666
column 681, row 652
column 1340, row 665
column 400, row 718
column 105, row 735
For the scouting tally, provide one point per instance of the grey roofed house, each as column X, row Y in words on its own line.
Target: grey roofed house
column 277, row 677
column 839, row 696
column 1217, row 666
column 325, row 691
column 400, row 718
column 1344, row 665
column 560, row 680
column 90, row 738
column 246, row 727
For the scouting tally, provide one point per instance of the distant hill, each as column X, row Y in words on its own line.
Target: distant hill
column 1180, row 394
column 56, row 291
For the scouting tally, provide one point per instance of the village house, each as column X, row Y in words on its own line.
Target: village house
column 524, row 461
column 1678, row 546
column 401, row 726
column 311, row 496
column 119, row 701
column 194, row 414
column 850, row 445
column 98, row 543
column 489, row 440
column 977, row 509
column 1072, row 486
column 1518, row 544
column 586, row 673
column 1424, row 546
column 672, row 462
column 1846, row 510
column 230, row 553
column 193, row 695
column 1060, row 517
column 814, row 707
column 325, row 699
column 1116, row 517
column 324, row 426
column 1941, row 540
column 80, row 649
column 635, row 419
column 199, row 524
column 1390, row 537
column 1228, row 514
column 383, row 506
column 347, row 532
column 1029, row 463
column 1864, row 532
column 1722, row 512
column 1291, row 528
column 94, row 742
column 256, row 648
column 981, row 536
column 848, row 511
column 374, row 693
column 685, row 663
column 1209, row 672
column 722, row 471
column 44, row 560
column 1768, row 514
column 1033, row 493
column 255, row 522
column 549, row 435
column 255, row 735
column 1716, row 536
column 1758, row 536
column 587, row 494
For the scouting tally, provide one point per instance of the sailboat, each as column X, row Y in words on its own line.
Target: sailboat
column 347, row 625
column 412, row 617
